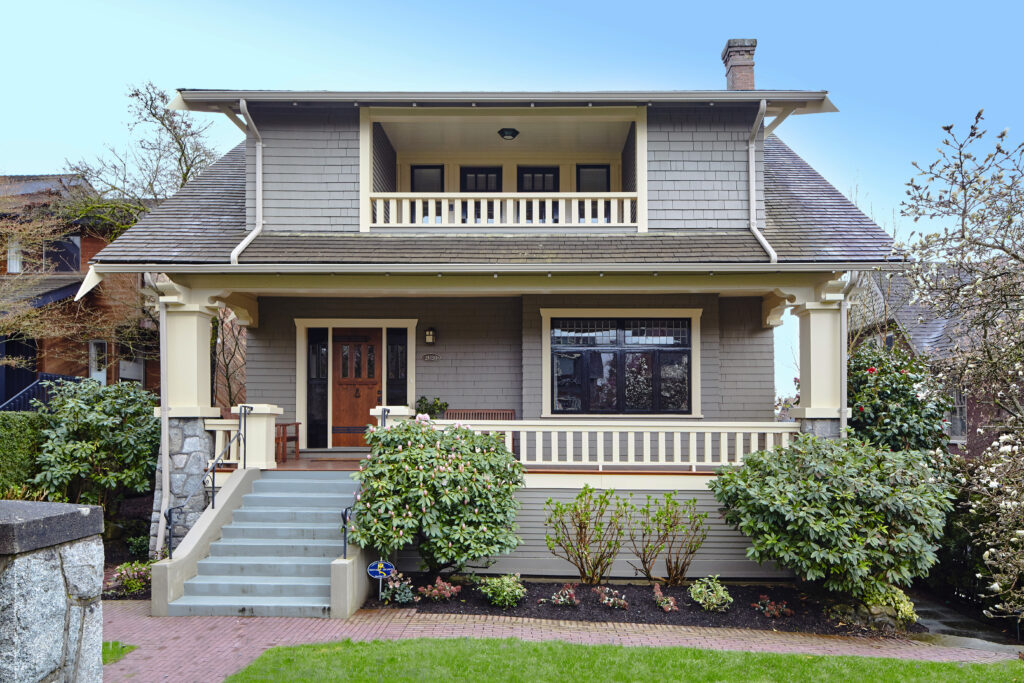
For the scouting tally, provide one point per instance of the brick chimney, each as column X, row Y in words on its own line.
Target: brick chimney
column 738, row 57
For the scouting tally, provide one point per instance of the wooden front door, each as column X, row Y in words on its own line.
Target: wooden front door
column 356, row 383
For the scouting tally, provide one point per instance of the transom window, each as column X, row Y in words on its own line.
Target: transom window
column 621, row 365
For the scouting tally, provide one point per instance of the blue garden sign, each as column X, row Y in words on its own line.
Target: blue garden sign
column 380, row 569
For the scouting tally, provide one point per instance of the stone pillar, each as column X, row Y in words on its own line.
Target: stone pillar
column 821, row 383
column 191, row 449
column 51, row 578
column 259, row 435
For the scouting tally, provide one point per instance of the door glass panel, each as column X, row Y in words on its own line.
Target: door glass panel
column 370, row 353
column 344, row 360
column 357, row 360
column 674, row 376
column 397, row 362
column 640, row 381
column 568, row 382
column 604, row 385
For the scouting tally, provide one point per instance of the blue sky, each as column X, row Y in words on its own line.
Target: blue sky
column 896, row 70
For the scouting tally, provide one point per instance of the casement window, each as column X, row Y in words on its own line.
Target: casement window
column 622, row 365
column 958, row 417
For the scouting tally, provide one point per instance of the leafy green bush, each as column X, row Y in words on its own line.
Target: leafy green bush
column 891, row 596
column 844, row 512
column 398, row 589
column 710, row 594
column 20, row 441
column 670, row 527
column 138, row 546
column 503, row 591
column 133, row 577
column 434, row 408
column 98, row 441
column 895, row 401
column 26, row 492
column 452, row 492
column 587, row 531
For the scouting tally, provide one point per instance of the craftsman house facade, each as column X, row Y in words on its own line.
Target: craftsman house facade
column 594, row 275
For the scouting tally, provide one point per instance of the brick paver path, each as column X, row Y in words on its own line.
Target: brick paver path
column 210, row 648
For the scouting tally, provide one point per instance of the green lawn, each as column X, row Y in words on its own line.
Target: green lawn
column 515, row 660
column 115, row 650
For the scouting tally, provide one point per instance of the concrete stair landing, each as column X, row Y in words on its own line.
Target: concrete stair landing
column 274, row 558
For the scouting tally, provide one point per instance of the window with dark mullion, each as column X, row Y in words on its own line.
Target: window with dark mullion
column 621, row 366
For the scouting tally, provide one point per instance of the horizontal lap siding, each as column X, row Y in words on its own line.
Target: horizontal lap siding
column 723, row 552
column 697, row 168
column 310, row 170
column 478, row 344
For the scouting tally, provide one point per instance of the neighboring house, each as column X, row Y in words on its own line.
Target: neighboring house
column 889, row 314
column 54, row 358
column 595, row 274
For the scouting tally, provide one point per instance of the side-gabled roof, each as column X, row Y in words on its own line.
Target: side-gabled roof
column 808, row 221
column 890, row 301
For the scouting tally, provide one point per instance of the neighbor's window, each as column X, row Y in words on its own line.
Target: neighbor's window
column 13, row 257
column 621, row 365
column 958, row 417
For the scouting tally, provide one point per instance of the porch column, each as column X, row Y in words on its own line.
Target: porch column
column 259, row 435
column 187, row 357
column 820, row 368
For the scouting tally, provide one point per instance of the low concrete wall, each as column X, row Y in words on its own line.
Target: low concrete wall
column 51, row 577
column 350, row 584
column 169, row 576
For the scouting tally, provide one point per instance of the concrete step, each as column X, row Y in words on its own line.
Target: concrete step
column 240, row 548
column 290, row 515
column 248, row 606
column 284, row 530
column 272, row 586
column 299, row 500
column 338, row 487
column 264, row 565
column 319, row 475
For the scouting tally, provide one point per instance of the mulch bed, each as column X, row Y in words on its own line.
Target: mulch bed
column 808, row 609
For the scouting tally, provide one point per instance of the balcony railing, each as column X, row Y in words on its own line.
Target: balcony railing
column 503, row 210
column 634, row 444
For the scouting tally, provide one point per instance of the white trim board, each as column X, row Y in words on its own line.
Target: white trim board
column 694, row 314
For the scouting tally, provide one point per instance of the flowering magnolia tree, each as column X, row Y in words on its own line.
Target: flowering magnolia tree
column 896, row 403
column 449, row 491
column 971, row 270
column 996, row 503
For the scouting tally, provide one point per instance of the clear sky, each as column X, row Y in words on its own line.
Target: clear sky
column 897, row 70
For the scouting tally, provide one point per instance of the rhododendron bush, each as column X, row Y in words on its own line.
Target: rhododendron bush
column 450, row 492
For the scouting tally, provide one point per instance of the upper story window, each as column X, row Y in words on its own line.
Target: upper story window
column 14, row 264
column 958, row 417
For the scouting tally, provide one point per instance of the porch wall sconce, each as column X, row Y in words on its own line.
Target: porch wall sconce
column 508, row 133
column 430, row 336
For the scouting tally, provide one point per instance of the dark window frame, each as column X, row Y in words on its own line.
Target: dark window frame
column 607, row 168
column 412, row 176
column 620, row 348
column 533, row 170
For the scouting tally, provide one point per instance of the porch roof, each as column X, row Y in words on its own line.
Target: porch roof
column 808, row 222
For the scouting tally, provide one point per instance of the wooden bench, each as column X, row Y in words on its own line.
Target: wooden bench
column 487, row 414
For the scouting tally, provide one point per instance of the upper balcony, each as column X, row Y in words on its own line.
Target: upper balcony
column 520, row 169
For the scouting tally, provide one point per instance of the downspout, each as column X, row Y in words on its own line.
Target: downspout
column 844, row 352
column 165, row 446
column 752, row 183
column 258, row 228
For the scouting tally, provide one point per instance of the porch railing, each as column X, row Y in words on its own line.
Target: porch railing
column 633, row 444
column 224, row 431
column 37, row 390
column 503, row 209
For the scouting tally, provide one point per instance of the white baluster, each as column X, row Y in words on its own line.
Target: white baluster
column 693, row 451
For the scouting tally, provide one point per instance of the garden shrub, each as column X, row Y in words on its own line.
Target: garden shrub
column 853, row 516
column 439, row 590
column 710, row 594
column 98, row 441
column 133, row 578
column 398, row 589
column 435, row 408
column 138, row 546
column 772, row 609
column 26, row 492
column 503, row 591
column 665, row 603
column 895, row 401
column 587, row 531
column 610, row 598
column 566, row 597
column 20, row 440
column 670, row 527
column 450, row 491
column 895, row 598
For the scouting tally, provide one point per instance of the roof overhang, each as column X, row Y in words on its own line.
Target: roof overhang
column 778, row 101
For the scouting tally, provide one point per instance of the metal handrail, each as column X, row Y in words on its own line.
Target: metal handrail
column 346, row 516
column 210, row 473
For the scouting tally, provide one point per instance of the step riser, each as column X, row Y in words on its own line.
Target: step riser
column 179, row 610
column 224, row 566
column 318, row 475
column 331, row 533
column 259, row 589
column 285, row 549
column 258, row 500
column 304, row 486
column 257, row 515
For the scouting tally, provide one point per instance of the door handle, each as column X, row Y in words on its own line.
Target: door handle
column 357, row 392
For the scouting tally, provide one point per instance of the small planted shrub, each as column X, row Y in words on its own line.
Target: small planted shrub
column 451, row 492
column 503, row 591
column 138, row 546
column 610, row 598
column 664, row 526
column 664, row 602
column 845, row 513
column 133, row 578
column 435, row 408
column 439, row 590
column 894, row 599
column 566, row 597
column 26, row 492
column 772, row 610
column 587, row 531
column 398, row 589
column 710, row 594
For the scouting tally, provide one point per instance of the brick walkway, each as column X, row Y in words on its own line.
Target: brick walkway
column 211, row 648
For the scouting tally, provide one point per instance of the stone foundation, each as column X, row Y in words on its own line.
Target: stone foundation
column 191, row 448
column 51, row 577
column 827, row 428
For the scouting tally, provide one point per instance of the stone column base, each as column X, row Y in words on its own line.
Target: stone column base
column 191, row 449
column 824, row 427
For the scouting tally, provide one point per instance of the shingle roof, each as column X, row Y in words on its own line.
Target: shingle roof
column 927, row 333
column 808, row 221
column 49, row 288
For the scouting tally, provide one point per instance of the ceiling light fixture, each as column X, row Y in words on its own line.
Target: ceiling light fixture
column 508, row 133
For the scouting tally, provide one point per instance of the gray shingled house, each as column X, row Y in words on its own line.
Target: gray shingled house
column 595, row 275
